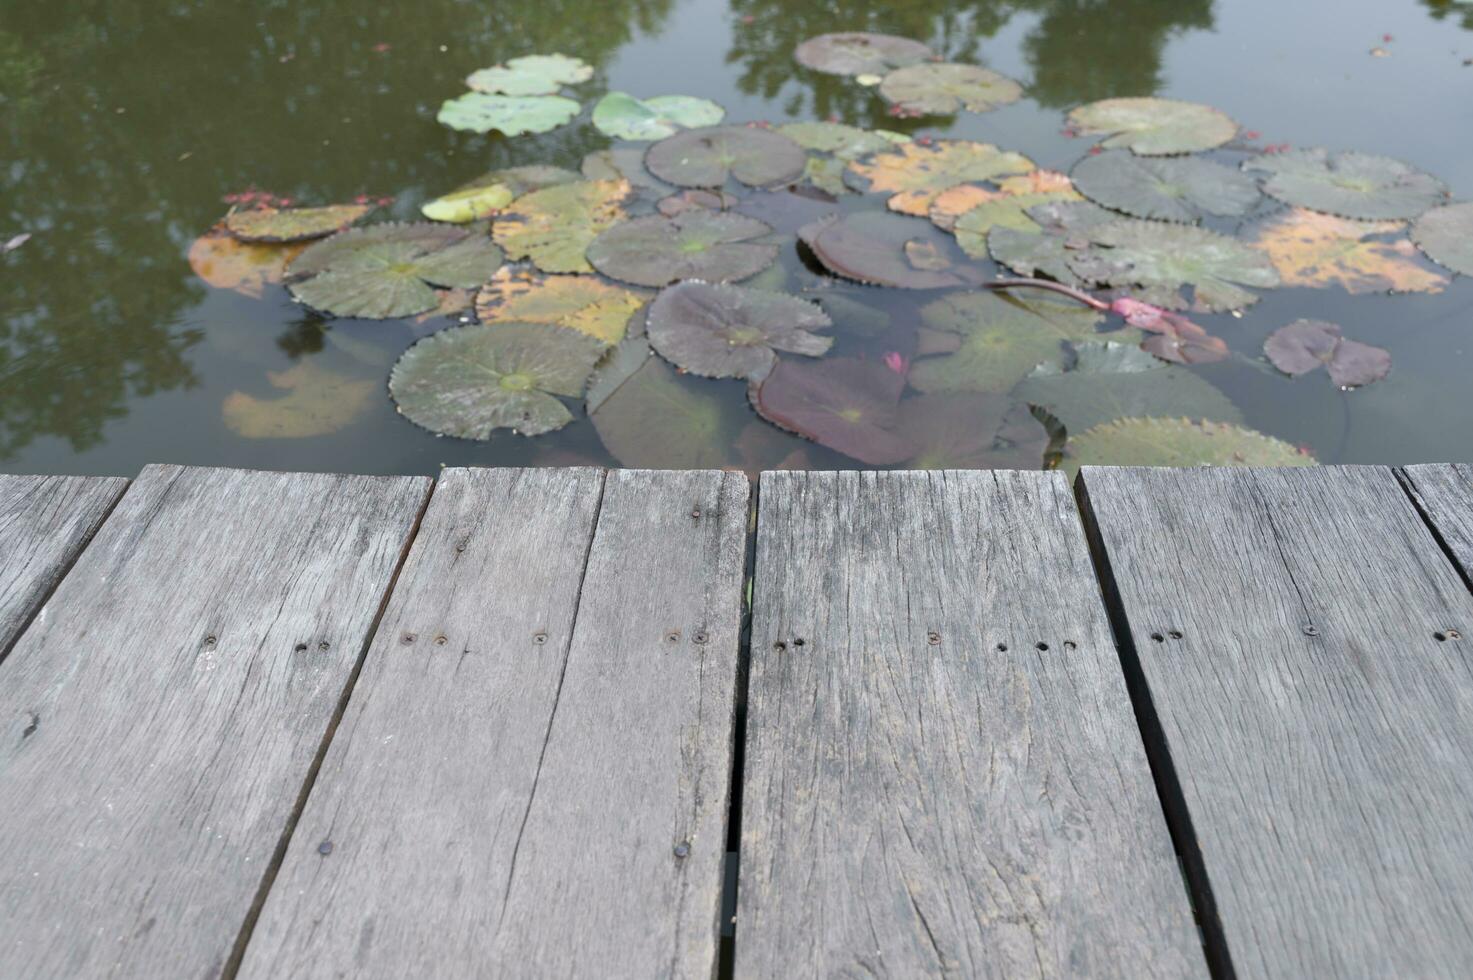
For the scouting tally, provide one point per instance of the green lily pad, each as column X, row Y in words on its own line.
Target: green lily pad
column 292, row 224
column 1154, row 127
column 513, row 115
column 583, row 303
column 1351, row 185
column 706, row 157
column 849, row 405
column 871, row 247
column 389, row 270
column 1179, row 442
column 833, row 146
column 939, row 89
column 1161, row 258
column 488, row 194
column 731, row 331
column 971, row 431
column 1446, row 235
column 554, row 226
column 1167, row 189
column 469, row 381
column 716, row 246
column 1113, row 381
column 624, row 117
column 1010, row 211
column 915, row 174
column 855, row 53
column 617, row 367
column 1062, row 228
column 533, row 74
column 657, row 420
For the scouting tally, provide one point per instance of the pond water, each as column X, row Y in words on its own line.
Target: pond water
column 126, row 124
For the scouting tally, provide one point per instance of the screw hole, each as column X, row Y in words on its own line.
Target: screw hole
column 933, row 638
column 539, row 638
column 798, row 642
column 1454, row 635
column 440, row 640
column 1440, row 636
column 325, row 848
column 1311, row 629
column 407, row 639
column 1002, row 648
column 696, row 513
column 211, row 641
column 324, row 646
column 673, row 636
column 779, row 646
column 1041, row 646
column 1158, row 637
column 301, row 648
column 1070, row 645
column 1174, row 634
column 699, row 637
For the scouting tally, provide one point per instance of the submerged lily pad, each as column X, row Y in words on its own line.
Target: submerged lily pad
column 513, row 115
column 623, row 163
column 292, row 224
column 971, row 431
column 731, row 331
column 857, row 53
column 1180, row 442
column 388, row 270
column 624, row 117
column 849, row 405
column 1351, row 185
column 1168, row 189
column 1320, row 250
column 697, row 244
column 533, row 74
column 880, row 249
column 469, row 381
column 1162, row 258
column 1154, row 127
column 582, row 303
column 657, row 420
column 915, row 174
column 226, row 262
column 939, row 89
column 695, row 198
column 488, row 194
column 1308, row 345
column 1446, row 235
column 317, row 403
column 554, row 226
column 853, row 315
column 706, row 157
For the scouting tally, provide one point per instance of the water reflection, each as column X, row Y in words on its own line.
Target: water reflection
column 1461, row 10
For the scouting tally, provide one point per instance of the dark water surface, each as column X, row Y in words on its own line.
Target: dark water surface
column 123, row 123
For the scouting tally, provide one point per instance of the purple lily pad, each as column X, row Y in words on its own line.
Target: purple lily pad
column 846, row 404
column 732, row 331
column 1308, row 345
column 697, row 244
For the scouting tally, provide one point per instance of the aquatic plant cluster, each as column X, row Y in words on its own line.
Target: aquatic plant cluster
column 1050, row 320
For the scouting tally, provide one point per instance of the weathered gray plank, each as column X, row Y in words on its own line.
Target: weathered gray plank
column 1284, row 622
column 161, row 720
column 1444, row 492
column 929, row 790
column 44, row 522
column 503, row 806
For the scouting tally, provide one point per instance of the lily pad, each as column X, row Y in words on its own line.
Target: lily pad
column 487, row 195
column 1113, row 381
column 624, row 117
column 1172, row 336
column 940, row 89
column 513, row 115
column 1008, row 211
column 657, row 420
column 839, row 144
column 582, row 303
column 656, row 251
column 1154, row 127
column 1446, row 235
column 1308, row 345
column 706, row 157
column 1168, row 189
column 1162, row 258
column 554, row 226
column 971, row 431
column 533, row 74
column 469, row 381
column 915, row 174
column 226, row 262
column 388, row 270
column 696, row 198
column 618, row 365
column 872, row 247
column 1180, row 442
column 317, row 403
column 623, row 163
column 292, row 224
column 1351, row 185
column 857, row 53
column 1321, row 250
column 849, row 405
column 730, row 331
column 1009, row 202
column 1063, row 227
column 851, row 315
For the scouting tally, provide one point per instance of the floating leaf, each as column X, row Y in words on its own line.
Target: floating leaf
column 1002, row 211
column 849, row 405
column 693, row 198
column 915, row 174
column 469, row 381
column 1180, row 442
column 1446, row 235
column 624, row 117
column 1321, row 250
column 1351, row 185
column 292, row 224
column 318, row 402
column 656, row 420
column 1173, row 337
column 449, row 303
column 859, row 54
column 533, row 74
column 1170, row 189
column 582, row 303
column 1161, row 258
column 225, row 262
column 617, row 367
column 939, row 89
column 1308, row 345
column 623, row 163
column 1154, row 127
column 1009, row 203
column 787, row 211
column 554, row 226
column 731, row 331
column 845, row 143
column 871, row 247
column 1112, row 381
column 388, row 270
column 971, row 431
column 1063, row 227
column 852, row 315
column 706, row 157
column 487, row 195
column 513, row 115
column 656, row 251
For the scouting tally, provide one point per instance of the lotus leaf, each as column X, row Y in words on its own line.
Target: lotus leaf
column 554, row 226
column 1166, row 189
column 292, row 224
column 513, row 115
column 317, row 402
column 1154, row 127
column 706, row 157
column 657, row 420
column 1063, row 227
column 1005, row 211
column 695, row 197
column 656, row 251
column 1180, row 442
column 971, row 431
column 731, row 331
column 915, row 174
column 533, row 74
column 871, row 247
column 487, row 195
column 849, row 405
column 615, row 368
column 1321, row 250
column 1351, row 185
column 859, row 54
column 1446, row 235
column 623, row 163
column 1035, row 187
column 624, row 117
column 582, row 303
column 1308, row 345
column 939, row 89
column 1161, row 258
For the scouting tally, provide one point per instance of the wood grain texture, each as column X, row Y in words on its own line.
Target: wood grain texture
column 45, row 521
column 1321, row 735
column 1444, row 493
column 928, row 790
column 503, row 807
column 160, row 722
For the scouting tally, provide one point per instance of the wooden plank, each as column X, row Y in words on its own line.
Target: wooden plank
column 1444, row 494
column 501, row 805
column 161, row 721
column 943, row 771
column 45, row 521
column 1283, row 625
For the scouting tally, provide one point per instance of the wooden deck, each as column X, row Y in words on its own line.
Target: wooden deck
column 549, row 723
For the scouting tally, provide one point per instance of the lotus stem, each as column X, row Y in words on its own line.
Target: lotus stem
column 1051, row 286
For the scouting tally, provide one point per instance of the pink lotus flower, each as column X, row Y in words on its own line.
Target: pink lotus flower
column 894, row 361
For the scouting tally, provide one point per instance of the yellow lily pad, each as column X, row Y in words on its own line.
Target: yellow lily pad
column 915, row 174
column 1321, row 250
column 582, row 303
column 554, row 226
